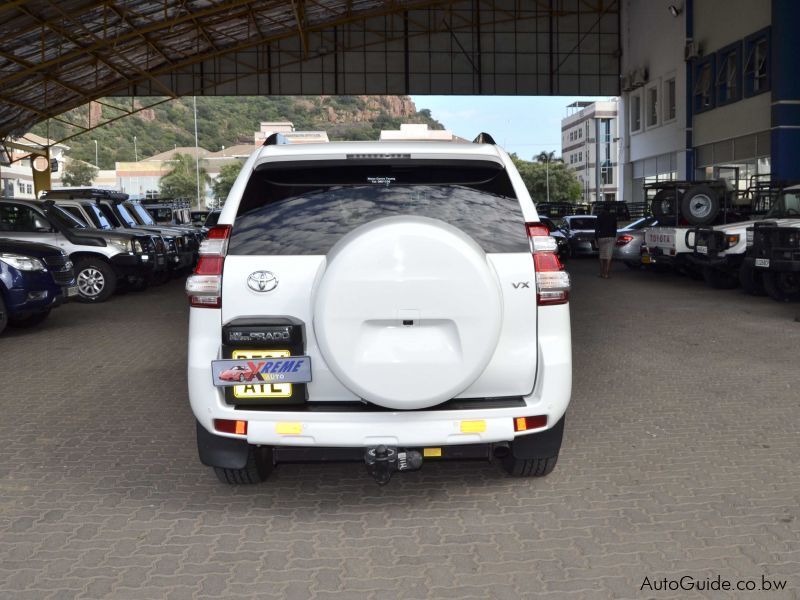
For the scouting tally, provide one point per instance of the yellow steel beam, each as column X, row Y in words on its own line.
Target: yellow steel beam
column 300, row 16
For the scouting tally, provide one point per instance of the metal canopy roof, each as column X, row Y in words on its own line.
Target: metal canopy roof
column 59, row 54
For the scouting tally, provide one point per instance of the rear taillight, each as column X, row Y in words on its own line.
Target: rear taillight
column 552, row 281
column 624, row 239
column 204, row 286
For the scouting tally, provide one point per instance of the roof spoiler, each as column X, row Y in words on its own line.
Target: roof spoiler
column 484, row 138
column 276, row 139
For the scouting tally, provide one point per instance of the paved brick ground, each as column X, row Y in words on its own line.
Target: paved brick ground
column 681, row 458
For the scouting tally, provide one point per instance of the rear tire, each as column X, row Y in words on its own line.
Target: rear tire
column 138, row 284
column 751, row 280
column 782, row 286
column 30, row 320
column 534, row 467
column 256, row 470
column 536, row 454
column 663, row 205
column 3, row 314
column 96, row 280
column 719, row 280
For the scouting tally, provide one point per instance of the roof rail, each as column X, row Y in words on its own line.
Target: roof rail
column 84, row 193
column 276, row 139
column 484, row 138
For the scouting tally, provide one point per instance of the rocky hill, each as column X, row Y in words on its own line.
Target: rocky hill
column 228, row 121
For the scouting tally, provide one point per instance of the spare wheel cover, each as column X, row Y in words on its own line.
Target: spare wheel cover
column 413, row 270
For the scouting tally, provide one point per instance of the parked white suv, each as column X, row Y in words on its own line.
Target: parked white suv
column 383, row 302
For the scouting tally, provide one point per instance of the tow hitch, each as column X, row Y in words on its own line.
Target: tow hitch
column 382, row 461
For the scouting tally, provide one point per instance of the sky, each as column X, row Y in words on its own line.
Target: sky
column 526, row 125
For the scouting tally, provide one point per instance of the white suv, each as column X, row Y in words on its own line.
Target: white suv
column 376, row 301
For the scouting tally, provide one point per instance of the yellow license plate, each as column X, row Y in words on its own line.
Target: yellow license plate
column 646, row 259
column 262, row 390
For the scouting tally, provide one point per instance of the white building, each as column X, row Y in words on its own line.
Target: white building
column 590, row 148
column 418, row 132
column 286, row 129
column 698, row 98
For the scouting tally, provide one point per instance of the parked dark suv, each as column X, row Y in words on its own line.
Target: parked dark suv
column 34, row 279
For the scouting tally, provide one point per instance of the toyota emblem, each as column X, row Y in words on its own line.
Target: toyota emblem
column 262, row 281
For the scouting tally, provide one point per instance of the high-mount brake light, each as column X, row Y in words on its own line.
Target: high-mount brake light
column 204, row 286
column 552, row 281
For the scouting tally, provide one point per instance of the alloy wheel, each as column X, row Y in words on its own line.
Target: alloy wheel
column 91, row 282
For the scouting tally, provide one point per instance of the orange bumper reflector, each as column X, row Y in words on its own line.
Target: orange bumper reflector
column 526, row 423
column 231, row 426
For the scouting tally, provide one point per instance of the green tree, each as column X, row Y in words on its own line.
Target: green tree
column 224, row 182
column 78, row 173
column 546, row 157
column 181, row 181
column 564, row 185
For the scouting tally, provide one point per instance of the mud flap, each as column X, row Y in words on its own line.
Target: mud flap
column 539, row 445
column 222, row 452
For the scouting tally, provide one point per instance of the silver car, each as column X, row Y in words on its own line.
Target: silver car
column 629, row 241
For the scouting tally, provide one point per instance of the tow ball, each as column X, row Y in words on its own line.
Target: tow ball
column 383, row 461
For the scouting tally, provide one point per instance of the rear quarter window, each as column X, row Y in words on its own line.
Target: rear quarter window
column 282, row 216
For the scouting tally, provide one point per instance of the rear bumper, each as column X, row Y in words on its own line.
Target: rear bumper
column 787, row 266
column 630, row 252
column 428, row 427
column 727, row 262
column 583, row 248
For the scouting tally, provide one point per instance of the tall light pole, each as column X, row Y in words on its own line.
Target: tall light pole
column 196, row 152
column 96, row 163
column 135, row 151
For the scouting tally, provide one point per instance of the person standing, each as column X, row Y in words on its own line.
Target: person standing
column 605, row 232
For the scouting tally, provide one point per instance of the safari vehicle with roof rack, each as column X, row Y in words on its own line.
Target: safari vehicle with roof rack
column 390, row 302
column 683, row 207
column 169, row 212
column 773, row 250
column 719, row 251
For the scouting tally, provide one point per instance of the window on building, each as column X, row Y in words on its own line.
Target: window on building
column 651, row 96
column 703, row 92
column 570, row 136
column 580, row 132
column 606, row 173
column 30, row 188
column 605, row 131
column 669, row 99
column 636, row 112
column 729, row 74
column 756, row 63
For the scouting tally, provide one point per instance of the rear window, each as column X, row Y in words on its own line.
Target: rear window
column 284, row 212
column 582, row 223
